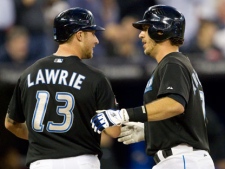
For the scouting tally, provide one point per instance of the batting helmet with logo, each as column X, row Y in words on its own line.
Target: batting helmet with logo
column 73, row 20
column 165, row 22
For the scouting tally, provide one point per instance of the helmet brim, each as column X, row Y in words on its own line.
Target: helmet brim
column 93, row 28
column 139, row 24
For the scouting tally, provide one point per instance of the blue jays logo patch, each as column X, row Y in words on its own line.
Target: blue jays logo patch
column 149, row 84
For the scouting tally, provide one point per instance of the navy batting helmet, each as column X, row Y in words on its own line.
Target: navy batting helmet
column 71, row 21
column 165, row 22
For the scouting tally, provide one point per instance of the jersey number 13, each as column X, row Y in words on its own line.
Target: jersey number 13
column 66, row 111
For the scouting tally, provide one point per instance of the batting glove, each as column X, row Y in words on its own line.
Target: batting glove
column 108, row 118
column 132, row 132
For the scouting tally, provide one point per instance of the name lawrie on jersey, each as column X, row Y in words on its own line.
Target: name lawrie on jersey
column 61, row 77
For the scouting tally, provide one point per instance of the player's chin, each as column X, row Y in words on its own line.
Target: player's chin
column 146, row 52
column 89, row 55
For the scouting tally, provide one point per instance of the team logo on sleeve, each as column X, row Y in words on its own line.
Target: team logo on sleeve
column 149, row 84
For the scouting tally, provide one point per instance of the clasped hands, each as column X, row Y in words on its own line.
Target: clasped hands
column 131, row 132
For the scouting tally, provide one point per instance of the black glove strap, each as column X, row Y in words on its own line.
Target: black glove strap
column 137, row 114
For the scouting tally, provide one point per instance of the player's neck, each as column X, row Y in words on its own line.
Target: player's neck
column 66, row 50
column 165, row 49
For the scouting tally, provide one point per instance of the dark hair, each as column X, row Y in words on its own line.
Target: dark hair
column 176, row 41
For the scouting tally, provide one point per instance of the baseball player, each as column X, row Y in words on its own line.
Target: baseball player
column 173, row 112
column 55, row 98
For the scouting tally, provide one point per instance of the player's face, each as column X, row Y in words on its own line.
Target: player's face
column 90, row 40
column 148, row 43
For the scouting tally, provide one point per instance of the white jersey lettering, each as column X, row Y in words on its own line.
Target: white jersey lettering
column 61, row 77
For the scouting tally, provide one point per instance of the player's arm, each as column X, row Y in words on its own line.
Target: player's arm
column 113, row 131
column 18, row 129
column 168, row 104
column 161, row 109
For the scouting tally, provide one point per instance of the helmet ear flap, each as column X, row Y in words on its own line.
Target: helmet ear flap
column 159, row 34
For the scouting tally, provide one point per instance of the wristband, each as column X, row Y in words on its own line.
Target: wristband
column 137, row 114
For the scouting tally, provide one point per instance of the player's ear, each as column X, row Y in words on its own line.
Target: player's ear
column 79, row 35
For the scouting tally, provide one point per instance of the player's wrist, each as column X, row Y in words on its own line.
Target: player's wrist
column 137, row 114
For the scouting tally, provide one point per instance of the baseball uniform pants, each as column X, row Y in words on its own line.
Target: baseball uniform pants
column 79, row 162
column 184, row 157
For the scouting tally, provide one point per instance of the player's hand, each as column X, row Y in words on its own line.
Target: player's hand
column 132, row 132
column 107, row 118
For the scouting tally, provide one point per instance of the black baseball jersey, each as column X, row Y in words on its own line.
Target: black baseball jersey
column 175, row 75
column 57, row 97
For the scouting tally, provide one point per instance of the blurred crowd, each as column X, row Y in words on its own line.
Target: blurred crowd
column 26, row 35
column 26, row 32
